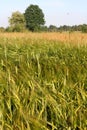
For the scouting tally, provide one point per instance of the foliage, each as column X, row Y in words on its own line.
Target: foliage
column 34, row 17
column 17, row 22
column 52, row 28
column 43, row 85
column 2, row 29
column 84, row 28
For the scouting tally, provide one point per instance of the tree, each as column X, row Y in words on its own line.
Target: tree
column 2, row 29
column 34, row 17
column 84, row 28
column 53, row 28
column 17, row 21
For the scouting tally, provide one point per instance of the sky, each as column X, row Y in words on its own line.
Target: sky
column 57, row 12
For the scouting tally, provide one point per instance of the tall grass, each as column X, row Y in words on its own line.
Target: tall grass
column 43, row 84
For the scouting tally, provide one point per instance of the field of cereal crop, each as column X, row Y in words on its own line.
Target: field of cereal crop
column 43, row 81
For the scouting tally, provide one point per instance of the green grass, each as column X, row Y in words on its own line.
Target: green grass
column 43, row 85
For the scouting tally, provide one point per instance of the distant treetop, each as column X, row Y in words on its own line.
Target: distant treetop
column 34, row 17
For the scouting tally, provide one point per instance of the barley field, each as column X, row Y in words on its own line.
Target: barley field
column 43, row 81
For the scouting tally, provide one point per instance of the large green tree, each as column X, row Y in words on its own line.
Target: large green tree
column 17, row 21
column 34, row 17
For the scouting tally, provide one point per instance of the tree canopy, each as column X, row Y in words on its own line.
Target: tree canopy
column 34, row 17
column 17, row 21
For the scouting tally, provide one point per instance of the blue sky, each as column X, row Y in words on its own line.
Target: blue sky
column 57, row 12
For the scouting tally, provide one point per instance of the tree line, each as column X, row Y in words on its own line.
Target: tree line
column 33, row 20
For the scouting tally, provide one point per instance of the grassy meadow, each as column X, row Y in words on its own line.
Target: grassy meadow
column 43, row 81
